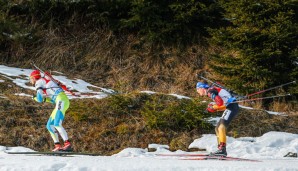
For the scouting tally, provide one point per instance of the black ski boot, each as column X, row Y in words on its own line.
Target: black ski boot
column 221, row 151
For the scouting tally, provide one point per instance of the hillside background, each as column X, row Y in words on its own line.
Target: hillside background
column 150, row 45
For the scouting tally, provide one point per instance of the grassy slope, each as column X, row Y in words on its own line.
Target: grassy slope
column 119, row 62
column 126, row 64
column 111, row 124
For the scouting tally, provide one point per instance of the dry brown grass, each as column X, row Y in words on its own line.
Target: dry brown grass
column 123, row 62
column 108, row 131
column 290, row 108
column 257, row 122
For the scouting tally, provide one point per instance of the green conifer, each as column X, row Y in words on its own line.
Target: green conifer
column 259, row 45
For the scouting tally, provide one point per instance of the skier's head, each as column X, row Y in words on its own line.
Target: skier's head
column 34, row 76
column 202, row 88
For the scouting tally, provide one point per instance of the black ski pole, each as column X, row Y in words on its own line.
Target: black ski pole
column 272, row 88
column 260, row 98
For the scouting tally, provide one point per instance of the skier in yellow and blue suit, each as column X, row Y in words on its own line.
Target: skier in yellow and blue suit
column 49, row 91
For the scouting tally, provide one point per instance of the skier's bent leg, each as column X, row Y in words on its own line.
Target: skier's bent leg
column 222, row 133
column 220, row 130
column 217, row 134
column 62, row 132
column 58, row 125
column 51, row 129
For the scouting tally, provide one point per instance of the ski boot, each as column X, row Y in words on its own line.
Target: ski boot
column 67, row 146
column 57, row 147
column 221, row 151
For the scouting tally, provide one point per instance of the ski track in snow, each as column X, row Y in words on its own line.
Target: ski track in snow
column 269, row 149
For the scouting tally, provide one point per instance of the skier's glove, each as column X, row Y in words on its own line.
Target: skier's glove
column 210, row 107
column 213, row 107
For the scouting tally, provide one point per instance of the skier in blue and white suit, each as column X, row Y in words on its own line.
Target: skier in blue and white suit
column 49, row 91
